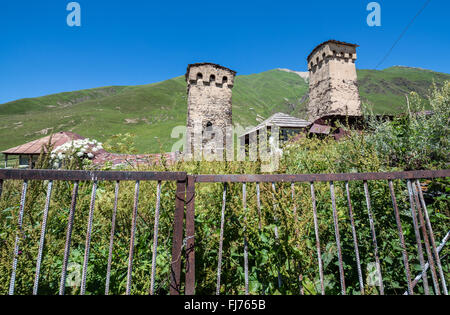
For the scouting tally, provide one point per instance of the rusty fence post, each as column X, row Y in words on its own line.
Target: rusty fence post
column 190, row 236
column 177, row 244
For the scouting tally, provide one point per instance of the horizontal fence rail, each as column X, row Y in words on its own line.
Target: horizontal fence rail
column 90, row 175
column 244, row 178
column 244, row 198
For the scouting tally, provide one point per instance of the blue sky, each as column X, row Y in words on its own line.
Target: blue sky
column 140, row 42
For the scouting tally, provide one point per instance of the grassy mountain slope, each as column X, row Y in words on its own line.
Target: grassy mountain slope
column 151, row 111
column 384, row 91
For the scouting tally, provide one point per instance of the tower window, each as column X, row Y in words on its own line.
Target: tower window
column 209, row 126
column 199, row 76
column 224, row 80
column 212, row 78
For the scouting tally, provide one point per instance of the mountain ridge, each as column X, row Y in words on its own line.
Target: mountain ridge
column 151, row 111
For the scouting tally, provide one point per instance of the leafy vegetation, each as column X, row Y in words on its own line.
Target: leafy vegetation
column 275, row 262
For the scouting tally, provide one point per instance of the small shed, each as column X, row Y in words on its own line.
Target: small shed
column 288, row 125
column 28, row 153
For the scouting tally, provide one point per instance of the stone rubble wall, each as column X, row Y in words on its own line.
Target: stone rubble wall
column 209, row 100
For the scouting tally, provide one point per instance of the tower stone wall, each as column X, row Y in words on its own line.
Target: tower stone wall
column 333, row 88
column 209, row 89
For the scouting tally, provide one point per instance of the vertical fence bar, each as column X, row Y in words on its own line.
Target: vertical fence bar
column 111, row 237
column 441, row 245
column 355, row 238
column 258, row 204
column 374, row 238
column 155, row 238
column 433, row 242
column 62, row 284
column 316, row 231
column 423, row 227
column 277, row 237
column 294, row 206
column 274, row 210
column 132, row 237
column 88, row 239
column 190, row 237
column 222, row 225
column 18, row 236
column 418, row 238
column 300, row 274
column 244, row 204
column 175, row 273
column 338, row 239
column 42, row 238
column 402, row 239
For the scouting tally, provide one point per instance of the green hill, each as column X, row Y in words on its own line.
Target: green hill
column 384, row 91
column 151, row 111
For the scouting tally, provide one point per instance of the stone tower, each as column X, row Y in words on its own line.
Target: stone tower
column 209, row 89
column 333, row 88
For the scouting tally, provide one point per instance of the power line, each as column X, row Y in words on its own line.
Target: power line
column 403, row 33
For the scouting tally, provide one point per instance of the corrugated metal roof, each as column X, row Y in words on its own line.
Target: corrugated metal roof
column 281, row 120
column 34, row 147
column 321, row 129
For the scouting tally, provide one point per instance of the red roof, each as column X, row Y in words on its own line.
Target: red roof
column 34, row 147
column 101, row 157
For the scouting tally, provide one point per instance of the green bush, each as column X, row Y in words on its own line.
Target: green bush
column 418, row 139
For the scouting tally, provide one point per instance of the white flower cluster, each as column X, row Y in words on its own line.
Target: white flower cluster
column 83, row 149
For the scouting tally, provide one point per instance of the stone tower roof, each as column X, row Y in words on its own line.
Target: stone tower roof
column 208, row 64
column 328, row 42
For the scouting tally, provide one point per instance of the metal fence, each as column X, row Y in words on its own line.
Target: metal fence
column 428, row 258
column 95, row 177
column 183, row 249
